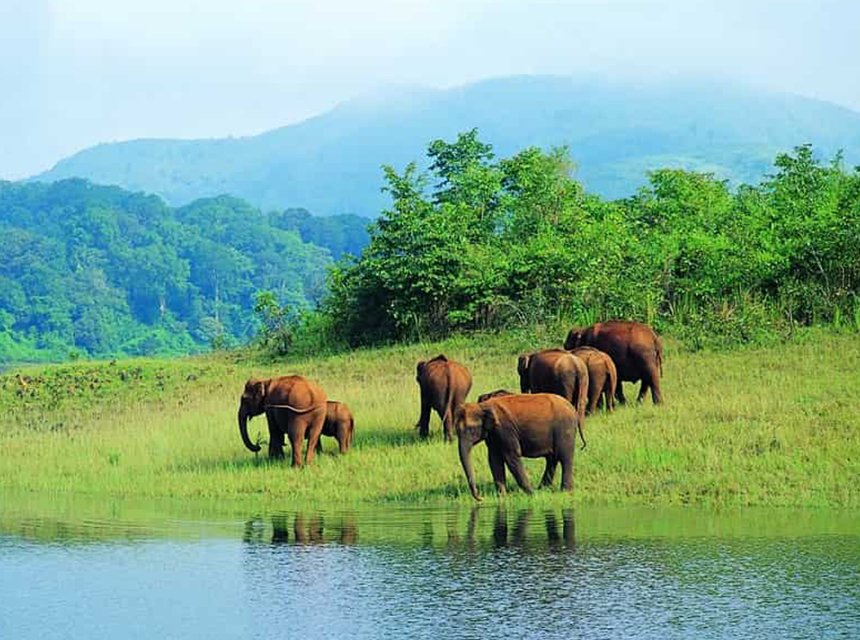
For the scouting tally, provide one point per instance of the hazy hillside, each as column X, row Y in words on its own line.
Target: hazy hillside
column 616, row 132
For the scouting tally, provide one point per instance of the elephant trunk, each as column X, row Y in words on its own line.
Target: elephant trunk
column 466, row 461
column 243, row 429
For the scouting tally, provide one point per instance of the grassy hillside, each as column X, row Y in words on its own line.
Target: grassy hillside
column 767, row 426
column 616, row 132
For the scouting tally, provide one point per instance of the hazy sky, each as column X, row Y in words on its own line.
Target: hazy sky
column 77, row 72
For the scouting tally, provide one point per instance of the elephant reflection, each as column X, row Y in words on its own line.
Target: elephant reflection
column 518, row 536
column 306, row 530
column 469, row 541
column 558, row 525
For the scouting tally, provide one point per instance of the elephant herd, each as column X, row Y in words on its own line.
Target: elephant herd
column 558, row 388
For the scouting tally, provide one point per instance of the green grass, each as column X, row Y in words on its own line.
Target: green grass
column 773, row 426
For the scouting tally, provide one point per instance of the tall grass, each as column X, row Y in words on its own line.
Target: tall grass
column 760, row 426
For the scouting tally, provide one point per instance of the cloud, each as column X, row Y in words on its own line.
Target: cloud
column 87, row 71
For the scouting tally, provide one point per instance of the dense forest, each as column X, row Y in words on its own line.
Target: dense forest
column 485, row 242
column 474, row 242
column 94, row 270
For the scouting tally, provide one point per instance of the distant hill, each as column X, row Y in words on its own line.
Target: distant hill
column 330, row 164
column 101, row 271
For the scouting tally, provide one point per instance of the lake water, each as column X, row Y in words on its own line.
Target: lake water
column 160, row 571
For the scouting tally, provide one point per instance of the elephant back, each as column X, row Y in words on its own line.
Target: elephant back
column 296, row 391
column 633, row 346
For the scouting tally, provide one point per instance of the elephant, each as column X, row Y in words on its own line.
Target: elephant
column 635, row 348
column 498, row 393
column 556, row 371
column 293, row 405
column 444, row 385
column 339, row 424
column 602, row 377
column 539, row 425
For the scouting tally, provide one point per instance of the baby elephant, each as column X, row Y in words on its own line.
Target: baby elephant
column 498, row 393
column 339, row 424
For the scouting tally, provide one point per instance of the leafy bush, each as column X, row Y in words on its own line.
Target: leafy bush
column 478, row 243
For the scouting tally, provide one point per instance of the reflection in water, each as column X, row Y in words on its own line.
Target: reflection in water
column 461, row 572
column 508, row 529
column 519, row 535
column 305, row 530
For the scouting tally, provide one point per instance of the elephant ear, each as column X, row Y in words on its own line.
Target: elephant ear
column 419, row 369
column 261, row 388
column 523, row 363
column 574, row 338
column 489, row 420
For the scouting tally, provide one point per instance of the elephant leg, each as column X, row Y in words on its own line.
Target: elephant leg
column 497, row 469
column 643, row 389
column 594, row 391
column 515, row 464
column 549, row 472
column 619, row 393
column 276, row 438
column 296, row 431
column 318, row 449
column 316, row 422
column 656, row 393
column 424, row 419
column 567, row 469
column 448, row 426
column 343, row 438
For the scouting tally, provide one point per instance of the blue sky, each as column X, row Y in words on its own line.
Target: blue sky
column 78, row 72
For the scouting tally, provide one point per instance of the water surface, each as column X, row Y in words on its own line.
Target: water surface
column 166, row 572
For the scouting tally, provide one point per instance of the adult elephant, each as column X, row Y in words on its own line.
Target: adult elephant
column 444, row 385
column 339, row 424
column 294, row 406
column 540, row 425
column 556, row 371
column 635, row 348
column 602, row 377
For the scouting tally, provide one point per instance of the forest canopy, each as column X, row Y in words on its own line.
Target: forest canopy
column 100, row 271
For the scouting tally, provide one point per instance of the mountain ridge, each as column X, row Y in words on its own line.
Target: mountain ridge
column 616, row 132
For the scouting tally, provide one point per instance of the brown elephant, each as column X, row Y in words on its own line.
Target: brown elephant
column 339, row 424
column 444, row 385
column 293, row 405
column 556, row 371
column 540, row 425
column 498, row 393
column 635, row 348
column 602, row 377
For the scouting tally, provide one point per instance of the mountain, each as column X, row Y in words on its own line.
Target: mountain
column 616, row 132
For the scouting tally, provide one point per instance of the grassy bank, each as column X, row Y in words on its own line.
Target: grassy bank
column 774, row 426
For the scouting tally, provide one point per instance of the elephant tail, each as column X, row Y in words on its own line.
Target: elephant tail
column 659, row 350
column 289, row 407
column 448, row 415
